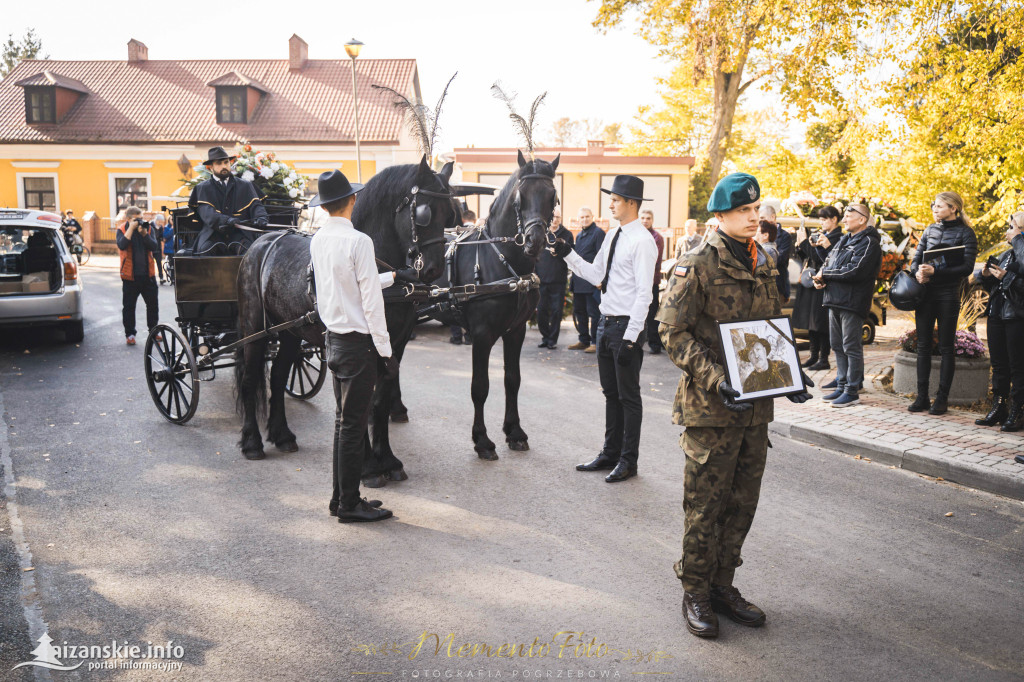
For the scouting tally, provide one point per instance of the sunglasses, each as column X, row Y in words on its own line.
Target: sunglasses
column 853, row 210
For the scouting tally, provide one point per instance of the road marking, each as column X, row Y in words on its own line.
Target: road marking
column 31, row 603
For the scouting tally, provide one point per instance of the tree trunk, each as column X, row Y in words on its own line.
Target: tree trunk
column 727, row 94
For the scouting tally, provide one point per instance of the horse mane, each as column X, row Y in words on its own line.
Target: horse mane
column 537, row 166
column 375, row 207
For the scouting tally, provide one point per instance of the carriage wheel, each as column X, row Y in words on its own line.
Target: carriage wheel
column 172, row 374
column 308, row 373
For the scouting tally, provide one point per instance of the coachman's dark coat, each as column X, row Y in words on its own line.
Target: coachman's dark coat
column 217, row 204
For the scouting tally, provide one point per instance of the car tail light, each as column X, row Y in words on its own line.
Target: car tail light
column 70, row 272
column 48, row 217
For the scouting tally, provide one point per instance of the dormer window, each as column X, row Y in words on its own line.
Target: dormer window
column 40, row 105
column 232, row 106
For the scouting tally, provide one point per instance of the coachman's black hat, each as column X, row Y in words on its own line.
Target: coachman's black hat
column 627, row 187
column 217, row 154
column 332, row 186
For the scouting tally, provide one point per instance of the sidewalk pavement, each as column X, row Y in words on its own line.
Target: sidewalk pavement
column 881, row 429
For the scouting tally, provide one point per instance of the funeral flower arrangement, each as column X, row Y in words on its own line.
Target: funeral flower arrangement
column 274, row 179
column 965, row 345
column 892, row 260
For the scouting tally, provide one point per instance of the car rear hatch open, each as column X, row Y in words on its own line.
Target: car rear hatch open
column 30, row 261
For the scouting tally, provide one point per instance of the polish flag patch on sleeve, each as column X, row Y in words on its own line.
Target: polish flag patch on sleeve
column 681, row 270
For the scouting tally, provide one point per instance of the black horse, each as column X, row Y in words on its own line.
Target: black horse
column 405, row 224
column 505, row 251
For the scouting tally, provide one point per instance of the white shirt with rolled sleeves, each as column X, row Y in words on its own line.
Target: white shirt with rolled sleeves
column 348, row 286
column 629, row 282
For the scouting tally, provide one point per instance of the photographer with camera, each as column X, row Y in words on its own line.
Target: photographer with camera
column 136, row 246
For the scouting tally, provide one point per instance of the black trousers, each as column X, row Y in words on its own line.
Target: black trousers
column 586, row 312
column 623, row 408
column 1006, row 347
column 353, row 361
column 549, row 311
column 130, row 292
column 653, row 337
column 942, row 308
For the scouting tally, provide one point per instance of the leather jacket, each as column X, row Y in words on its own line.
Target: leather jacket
column 1001, row 300
column 947, row 280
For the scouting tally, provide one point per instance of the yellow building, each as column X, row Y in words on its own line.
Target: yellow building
column 582, row 172
column 99, row 136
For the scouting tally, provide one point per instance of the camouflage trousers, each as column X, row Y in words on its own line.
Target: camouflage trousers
column 724, row 466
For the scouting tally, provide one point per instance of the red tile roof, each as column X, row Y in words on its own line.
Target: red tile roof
column 47, row 78
column 236, row 79
column 171, row 101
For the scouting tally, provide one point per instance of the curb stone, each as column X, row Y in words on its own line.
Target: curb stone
column 912, row 459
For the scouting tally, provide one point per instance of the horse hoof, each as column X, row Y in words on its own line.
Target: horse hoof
column 520, row 445
column 254, row 454
column 402, row 418
column 397, row 475
column 489, row 455
column 290, row 446
column 378, row 481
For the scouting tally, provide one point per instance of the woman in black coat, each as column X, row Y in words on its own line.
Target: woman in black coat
column 808, row 311
column 1006, row 332
column 944, row 280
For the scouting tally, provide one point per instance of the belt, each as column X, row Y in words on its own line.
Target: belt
column 616, row 318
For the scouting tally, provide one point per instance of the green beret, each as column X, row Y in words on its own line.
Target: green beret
column 735, row 189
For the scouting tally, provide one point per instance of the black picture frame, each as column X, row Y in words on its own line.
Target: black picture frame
column 774, row 336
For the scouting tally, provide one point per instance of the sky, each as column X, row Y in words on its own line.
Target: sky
column 531, row 46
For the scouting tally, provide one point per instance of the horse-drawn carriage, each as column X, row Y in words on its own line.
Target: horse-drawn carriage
column 207, row 335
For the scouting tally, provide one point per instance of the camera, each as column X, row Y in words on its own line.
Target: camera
column 816, row 236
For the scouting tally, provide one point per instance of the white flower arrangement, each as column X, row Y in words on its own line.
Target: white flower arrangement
column 248, row 176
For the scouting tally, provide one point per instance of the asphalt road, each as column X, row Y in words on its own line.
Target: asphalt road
column 142, row 531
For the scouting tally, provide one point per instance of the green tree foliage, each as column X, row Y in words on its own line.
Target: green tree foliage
column 14, row 51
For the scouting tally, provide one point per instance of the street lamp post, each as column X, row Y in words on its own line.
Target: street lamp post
column 352, row 48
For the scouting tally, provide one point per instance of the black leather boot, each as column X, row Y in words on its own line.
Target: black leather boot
column 815, row 349
column 1015, row 421
column 728, row 599
column 822, row 363
column 940, row 405
column 921, row 403
column 997, row 415
column 700, row 617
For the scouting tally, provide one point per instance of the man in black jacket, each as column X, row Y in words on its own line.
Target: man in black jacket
column 848, row 277
column 553, row 274
column 586, row 299
column 222, row 201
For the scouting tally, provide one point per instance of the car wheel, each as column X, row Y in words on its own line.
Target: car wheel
column 74, row 332
column 867, row 336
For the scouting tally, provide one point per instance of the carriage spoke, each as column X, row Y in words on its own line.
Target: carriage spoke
column 305, row 373
column 299, row 376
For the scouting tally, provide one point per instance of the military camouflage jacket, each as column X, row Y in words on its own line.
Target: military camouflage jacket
column 710, row 285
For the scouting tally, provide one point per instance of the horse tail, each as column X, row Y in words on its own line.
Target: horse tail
column 250, row 379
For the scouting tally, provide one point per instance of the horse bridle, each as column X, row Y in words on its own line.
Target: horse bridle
column 420, row 216
column 517, row 203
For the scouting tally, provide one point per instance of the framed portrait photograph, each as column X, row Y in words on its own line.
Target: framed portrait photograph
column 761, row 359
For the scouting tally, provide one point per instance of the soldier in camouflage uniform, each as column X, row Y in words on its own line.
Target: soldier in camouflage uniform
column 727, row 278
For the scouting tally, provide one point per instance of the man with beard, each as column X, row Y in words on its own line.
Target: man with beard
column 222, row 202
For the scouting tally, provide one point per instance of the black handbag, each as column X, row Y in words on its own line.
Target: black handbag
column 805, row 278
column 905, row 292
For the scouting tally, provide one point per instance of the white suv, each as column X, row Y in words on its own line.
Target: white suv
column 39, row 280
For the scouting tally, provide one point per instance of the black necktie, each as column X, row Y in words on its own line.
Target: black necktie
column 608, row 267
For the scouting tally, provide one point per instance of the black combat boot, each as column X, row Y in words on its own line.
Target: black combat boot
column 921, row 404
column 821, row 364
column 814, row 352
column 728, row 599
column 940, row 405
column 1015, row 421
column 997, row 415
column 700, row 617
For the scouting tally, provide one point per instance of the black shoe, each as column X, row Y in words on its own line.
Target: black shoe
column 921, row 403
column 656, row 350
column 1015, row 421
column 622, row 471
column 700, row 617
column 455, row 341
column 333, row 506
column 1019, row 459
column 997, row 415
column 727, row 599
column 939, row 406
column 542, row 344
column 820, row 364
column 810, row 361
column 599, row 463
column 363, row 511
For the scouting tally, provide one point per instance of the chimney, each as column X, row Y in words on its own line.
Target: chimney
column 137, row 52
column 298, row 52
column 595, row 147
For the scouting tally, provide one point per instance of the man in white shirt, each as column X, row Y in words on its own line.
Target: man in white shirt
column 624, row 270
column 351, row 306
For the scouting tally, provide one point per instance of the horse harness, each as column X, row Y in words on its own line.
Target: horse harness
column 420, row 216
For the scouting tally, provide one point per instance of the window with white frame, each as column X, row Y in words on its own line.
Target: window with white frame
column 131, row 191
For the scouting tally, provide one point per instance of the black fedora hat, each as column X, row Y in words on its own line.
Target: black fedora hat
column 627, row 187
column 332, row 186
column 217, row 154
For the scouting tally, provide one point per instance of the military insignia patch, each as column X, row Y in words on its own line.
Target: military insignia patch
column 681, row 270
column 751, row 191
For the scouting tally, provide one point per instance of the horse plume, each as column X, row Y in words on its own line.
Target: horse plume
column 524, row 125
column 422, row 121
